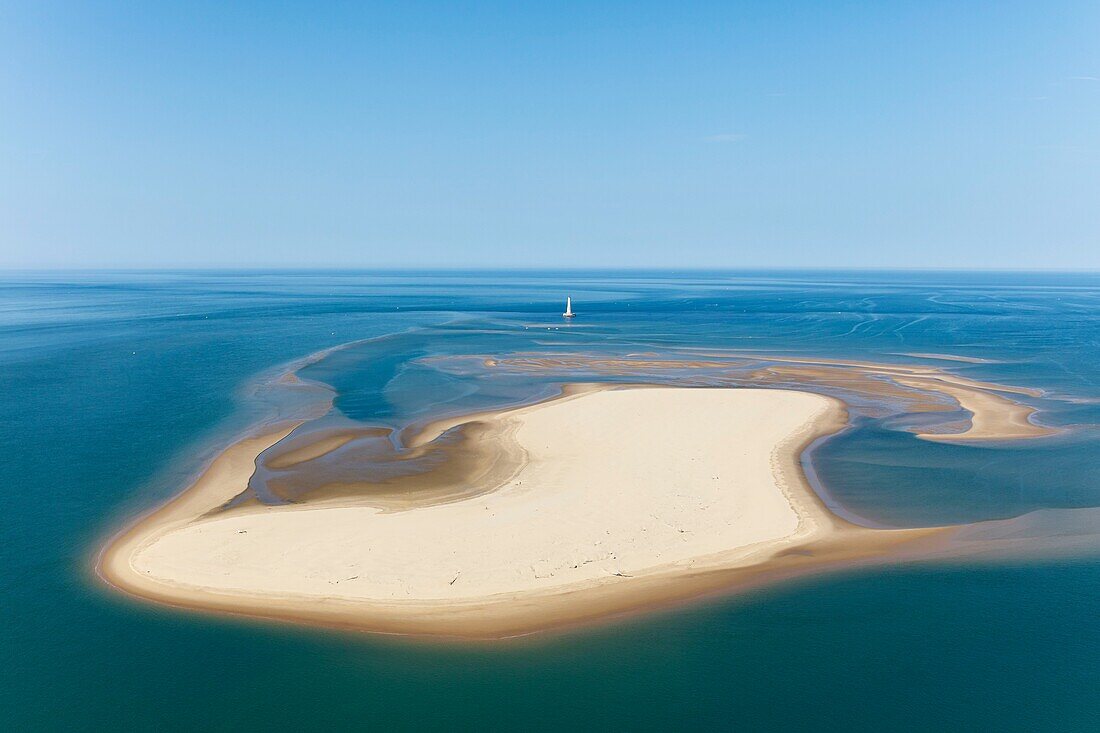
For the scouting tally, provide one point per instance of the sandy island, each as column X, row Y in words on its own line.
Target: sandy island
column 617, row 500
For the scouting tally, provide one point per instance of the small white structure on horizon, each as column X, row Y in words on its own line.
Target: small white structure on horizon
column 568, row 308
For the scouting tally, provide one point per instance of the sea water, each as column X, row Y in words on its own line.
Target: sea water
column 119, row 386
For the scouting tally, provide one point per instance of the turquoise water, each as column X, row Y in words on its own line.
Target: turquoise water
column 118, row 386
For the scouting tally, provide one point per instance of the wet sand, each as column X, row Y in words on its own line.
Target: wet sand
column 947, row 357
column 920, row 388
column 602, row 502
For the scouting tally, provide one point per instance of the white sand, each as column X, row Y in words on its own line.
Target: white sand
column 616, row 485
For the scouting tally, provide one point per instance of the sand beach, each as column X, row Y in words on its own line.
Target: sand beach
column 617, row 500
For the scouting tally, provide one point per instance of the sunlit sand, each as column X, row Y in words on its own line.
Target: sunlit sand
column 620, row 498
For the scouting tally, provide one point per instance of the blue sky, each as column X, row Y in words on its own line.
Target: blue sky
column 770, row 134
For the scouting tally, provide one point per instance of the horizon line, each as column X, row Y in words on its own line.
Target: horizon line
column 537, row 269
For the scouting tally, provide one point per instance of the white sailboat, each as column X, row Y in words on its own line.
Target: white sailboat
column 568, row 308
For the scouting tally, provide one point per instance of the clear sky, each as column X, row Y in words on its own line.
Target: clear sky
column 632, row 134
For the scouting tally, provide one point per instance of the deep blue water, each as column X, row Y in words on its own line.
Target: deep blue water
column 118, row 386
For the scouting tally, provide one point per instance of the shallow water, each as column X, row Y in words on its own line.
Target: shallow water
column 118, row 386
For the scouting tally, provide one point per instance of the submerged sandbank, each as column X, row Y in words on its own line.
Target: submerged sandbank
column 994, row 416
column 613, row 500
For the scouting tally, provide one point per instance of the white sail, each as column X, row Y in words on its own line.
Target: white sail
column 568, row 307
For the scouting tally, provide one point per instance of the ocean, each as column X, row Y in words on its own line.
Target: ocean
column 120, row 386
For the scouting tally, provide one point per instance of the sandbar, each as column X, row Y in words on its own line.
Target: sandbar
column 923, row 388
column 617, row 500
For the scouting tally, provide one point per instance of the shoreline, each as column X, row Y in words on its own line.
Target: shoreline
column 993, row 416
column 822, row 541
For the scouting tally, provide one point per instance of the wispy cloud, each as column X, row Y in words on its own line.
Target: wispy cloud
column 1084, row 78
column 725, row 137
